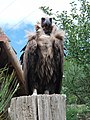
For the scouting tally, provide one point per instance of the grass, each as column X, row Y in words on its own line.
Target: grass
column 8, row 86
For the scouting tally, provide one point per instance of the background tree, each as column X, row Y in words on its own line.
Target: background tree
column 77, row 43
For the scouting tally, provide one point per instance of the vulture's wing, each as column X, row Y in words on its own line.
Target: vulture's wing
column 29, row 62
column 58, row 58
column 21, row 57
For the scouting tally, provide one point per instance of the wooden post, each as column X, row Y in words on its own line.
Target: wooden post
column 40, row 107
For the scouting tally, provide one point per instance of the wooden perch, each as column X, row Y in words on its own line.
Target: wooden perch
column 40, row 107
column 15, row 63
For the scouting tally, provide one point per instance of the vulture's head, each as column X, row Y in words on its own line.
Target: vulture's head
column 46, row 24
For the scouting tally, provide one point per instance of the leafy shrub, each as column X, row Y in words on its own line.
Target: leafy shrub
column 8, row 86
column 71, row 113
column 78, row 112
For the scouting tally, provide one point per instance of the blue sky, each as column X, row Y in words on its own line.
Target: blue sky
column 17, row 35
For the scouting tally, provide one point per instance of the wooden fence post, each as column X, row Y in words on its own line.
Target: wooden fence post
column 40, row 107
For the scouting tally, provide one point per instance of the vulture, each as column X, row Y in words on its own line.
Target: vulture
column 43, row 59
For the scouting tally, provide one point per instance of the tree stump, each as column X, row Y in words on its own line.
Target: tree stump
column 40, row 107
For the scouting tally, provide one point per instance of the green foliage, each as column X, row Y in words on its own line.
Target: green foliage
column 47, row 10
column 71, row 113
column 75, row 84
column 77, row 112
column 8, row 86
column 76, row 24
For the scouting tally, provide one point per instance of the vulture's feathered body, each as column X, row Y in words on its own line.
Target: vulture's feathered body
column 43, row 62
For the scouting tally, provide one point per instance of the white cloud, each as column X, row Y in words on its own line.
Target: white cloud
column 20, row 42
column 14, row 11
